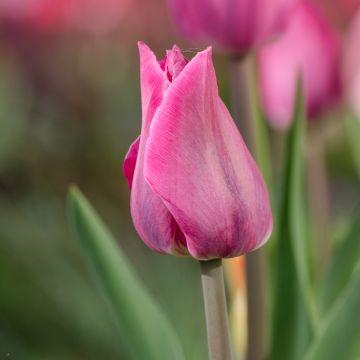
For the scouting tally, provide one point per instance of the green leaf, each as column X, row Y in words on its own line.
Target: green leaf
column 346, row 258
column 339, row 334
column 353, row 130
column 294, row 309
column 143, row 326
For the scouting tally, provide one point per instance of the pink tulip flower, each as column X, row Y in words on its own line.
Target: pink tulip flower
column 310, row 48
column 351, row 65
column 236, row 26
column 195, row 189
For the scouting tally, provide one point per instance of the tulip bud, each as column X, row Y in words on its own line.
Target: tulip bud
column 236, row 26
column 310, row 47
column 351, row 65
column 195, row 189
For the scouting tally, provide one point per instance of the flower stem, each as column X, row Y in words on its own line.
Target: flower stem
column 319, row 198
column 212, row 278
column 256, row 304
column 241, row 97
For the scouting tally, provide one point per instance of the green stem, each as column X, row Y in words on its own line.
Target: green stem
column 256, row 297
column 319, row 199
column 212, row 279
column 240, row 99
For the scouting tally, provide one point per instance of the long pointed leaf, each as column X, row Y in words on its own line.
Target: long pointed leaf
column 345, row 261
column 339, row 333
column 144, row 328
column 294, row 312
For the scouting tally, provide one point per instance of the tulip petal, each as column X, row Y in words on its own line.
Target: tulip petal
column 151, row 218
column 130, row 161
column 173, row 63
column 196, row 160
column 154, row 83
column 153, row 221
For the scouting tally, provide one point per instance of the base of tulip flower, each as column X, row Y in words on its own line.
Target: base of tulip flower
column 217, row 324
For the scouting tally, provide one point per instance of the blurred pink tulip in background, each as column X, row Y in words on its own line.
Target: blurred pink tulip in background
column 93, row 15
column 38, row 13
column 235, row 26
column 339, row 12
column 311, row 48
column 351, row 65
column 195, row 189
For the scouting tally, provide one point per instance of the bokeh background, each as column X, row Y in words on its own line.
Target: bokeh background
column 69, row 109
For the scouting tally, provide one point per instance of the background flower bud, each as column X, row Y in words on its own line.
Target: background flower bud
column 88, row 15
column 311, row 47
column 235, row 26
column 339, row 12
column 351, row 65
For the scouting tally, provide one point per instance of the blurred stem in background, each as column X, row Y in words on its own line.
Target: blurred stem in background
column 240, row 98
column 212, row 278
column 240, row 92
column 318, row 196
column 235, row 274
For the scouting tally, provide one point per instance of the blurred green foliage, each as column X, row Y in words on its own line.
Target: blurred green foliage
column 142, row 324
column 71, row 120
column 293, row 303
